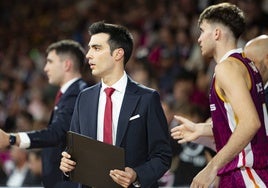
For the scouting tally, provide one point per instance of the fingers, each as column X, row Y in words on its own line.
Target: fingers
column 66, row 164
column 186, row 122
column 181, row 119
column 119, row 178
column 176, row 133
column 182, row 141
column 123, row 178
column 65, row 154
column 175, row 129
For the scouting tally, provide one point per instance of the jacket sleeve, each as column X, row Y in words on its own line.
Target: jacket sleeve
column 59, row 124
column 158, row 139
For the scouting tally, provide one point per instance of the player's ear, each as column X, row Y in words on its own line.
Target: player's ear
column 217, row 33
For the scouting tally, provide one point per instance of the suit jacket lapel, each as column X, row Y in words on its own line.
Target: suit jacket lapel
column 93, row 106
column 129, row 103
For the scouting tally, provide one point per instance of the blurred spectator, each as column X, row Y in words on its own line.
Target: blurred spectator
column 142, row 73
column 24, row 121
column 35, row 163
column 191, row 157
column 183, row 88
column 3, row 175
column 21, row 175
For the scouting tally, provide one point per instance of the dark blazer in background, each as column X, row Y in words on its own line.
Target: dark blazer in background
column 53, row 139
column 32, row 180
column 142, row 129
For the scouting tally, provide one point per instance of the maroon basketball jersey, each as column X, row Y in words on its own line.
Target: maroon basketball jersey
column 255, row 154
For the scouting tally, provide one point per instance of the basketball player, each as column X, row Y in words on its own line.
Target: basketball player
column 237, row 106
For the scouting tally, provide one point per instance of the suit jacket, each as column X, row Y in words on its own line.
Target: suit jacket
column 142, row 129
column 53, row 139
column 32, row 180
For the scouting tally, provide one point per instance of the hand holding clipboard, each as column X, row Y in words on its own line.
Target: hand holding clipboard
column 94, row 160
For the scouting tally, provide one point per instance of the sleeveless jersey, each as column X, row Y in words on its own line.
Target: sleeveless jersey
column 255, row 154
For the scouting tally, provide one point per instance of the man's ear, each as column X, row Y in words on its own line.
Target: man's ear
column 67, row 64
column 217, row 33
column 266, row 56
column 118, row 54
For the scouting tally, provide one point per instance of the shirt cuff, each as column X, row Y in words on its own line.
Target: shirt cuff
column 66, row 174
column 136, row 184
column 25, row 141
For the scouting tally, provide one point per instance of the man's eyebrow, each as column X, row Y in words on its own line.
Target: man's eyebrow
column 94, row 45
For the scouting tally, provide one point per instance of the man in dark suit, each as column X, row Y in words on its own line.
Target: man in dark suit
column 64, row 62
column 138, row 122
column 257, row 50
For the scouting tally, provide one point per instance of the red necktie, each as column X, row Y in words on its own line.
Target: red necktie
column 57, row 98
column 107, row 128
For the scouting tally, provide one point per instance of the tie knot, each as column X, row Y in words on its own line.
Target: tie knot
column 58, row 95
column 109, row 91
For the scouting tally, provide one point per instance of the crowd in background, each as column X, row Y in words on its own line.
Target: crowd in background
column 166, row 57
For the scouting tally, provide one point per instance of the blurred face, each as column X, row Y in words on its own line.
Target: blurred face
column 18, row 156
column 182, row 91
column 99, row 55
column 35, row 164
column 23, row 124
column 205, row 39
column 54, row 68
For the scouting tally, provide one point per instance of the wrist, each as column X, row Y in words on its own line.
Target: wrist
column 12, row 139
column 136, row 183
column 207, row 129
column 214, row 165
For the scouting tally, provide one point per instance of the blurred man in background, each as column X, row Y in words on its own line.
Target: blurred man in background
column 64, row 63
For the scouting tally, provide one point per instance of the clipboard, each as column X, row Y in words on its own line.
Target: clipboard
column 94, row 160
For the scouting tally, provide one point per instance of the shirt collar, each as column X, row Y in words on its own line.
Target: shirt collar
column 67, row 85
column 120, row 85
column 239, row 50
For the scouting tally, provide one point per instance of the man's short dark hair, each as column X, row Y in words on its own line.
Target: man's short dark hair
column 119, row 37
column 72, row 48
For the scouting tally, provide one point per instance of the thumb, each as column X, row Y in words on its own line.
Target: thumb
column 182, row 119
column 185, row 121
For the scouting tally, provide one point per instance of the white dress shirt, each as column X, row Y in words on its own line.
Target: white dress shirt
column 117, row 99
column 17, row 177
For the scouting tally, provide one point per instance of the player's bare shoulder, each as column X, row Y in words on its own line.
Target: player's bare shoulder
column 231, row 66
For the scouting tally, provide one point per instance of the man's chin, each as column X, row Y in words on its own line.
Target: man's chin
column 206, row 55
column 93, row 72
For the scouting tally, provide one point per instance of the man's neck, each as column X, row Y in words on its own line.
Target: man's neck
column 223, row 48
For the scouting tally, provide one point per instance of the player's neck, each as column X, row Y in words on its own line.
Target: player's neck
column 222, row 50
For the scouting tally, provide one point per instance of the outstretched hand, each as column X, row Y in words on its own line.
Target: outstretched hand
column 4, row 139
column 187, row 131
